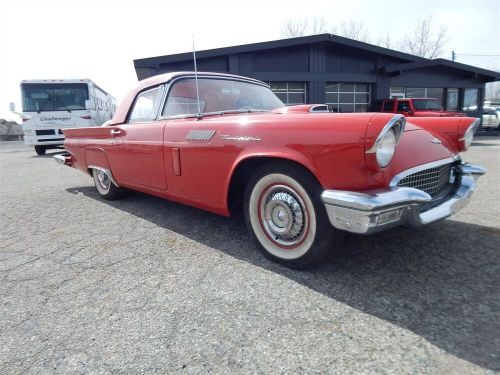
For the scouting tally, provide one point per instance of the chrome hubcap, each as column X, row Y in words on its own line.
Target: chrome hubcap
column 283, row 215
column 103, row 179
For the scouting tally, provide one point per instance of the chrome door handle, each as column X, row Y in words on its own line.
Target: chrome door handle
column 115, row 132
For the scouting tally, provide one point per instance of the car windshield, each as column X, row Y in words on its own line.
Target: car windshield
column 218, row 95
column 427, row 104
column 41, row 97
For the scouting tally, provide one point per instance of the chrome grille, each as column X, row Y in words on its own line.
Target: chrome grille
column 431, row 180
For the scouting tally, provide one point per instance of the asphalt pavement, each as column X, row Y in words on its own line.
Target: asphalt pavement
column 147, row 286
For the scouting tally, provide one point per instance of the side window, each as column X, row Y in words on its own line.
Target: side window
column 388, row 106
column 403, row 106
column 146, row 105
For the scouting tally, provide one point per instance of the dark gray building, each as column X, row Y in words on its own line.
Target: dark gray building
column 346, row 74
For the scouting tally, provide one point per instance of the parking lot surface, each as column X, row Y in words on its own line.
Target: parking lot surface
column 145, row 286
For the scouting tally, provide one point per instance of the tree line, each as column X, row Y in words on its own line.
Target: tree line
column 426, row 40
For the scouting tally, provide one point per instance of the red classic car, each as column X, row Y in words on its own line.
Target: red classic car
column 225, row 143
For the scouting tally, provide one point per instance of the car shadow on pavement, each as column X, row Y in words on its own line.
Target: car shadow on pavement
column 440, row 282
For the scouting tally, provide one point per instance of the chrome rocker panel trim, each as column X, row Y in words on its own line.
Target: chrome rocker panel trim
column 376, row 210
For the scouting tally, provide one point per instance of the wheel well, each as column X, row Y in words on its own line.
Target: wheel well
column 243, row 175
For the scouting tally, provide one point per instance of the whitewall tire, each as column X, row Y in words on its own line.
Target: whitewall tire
column 285, row 216
column 105, row 186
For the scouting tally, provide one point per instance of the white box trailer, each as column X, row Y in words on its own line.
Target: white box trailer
column 50, row 105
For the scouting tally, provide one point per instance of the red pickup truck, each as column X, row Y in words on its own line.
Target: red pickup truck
column 417, row 107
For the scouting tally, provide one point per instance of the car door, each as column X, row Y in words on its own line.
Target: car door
column 197, row 161
column 136, row 152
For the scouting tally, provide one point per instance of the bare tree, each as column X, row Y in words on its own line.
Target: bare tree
column 353, row 30
column 385, row 41
column 492, row 91
column 319, row 25
column 294, row 27
column 425, row 41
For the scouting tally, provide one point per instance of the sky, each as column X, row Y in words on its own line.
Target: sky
column 99, row 39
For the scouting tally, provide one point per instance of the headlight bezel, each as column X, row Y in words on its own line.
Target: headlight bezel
column 395, row 126
column 466, row 140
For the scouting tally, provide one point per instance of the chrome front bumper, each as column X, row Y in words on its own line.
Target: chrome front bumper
column 376, row 210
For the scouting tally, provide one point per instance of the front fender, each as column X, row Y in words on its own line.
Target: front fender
column 288, row 155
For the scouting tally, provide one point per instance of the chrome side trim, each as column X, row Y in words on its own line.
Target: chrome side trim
column 394, row 121
column 395, row 180
column 105, row 170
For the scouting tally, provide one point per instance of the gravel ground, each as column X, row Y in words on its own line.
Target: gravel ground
column 145, row 286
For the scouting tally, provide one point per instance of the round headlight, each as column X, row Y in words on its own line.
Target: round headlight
column 386, row 149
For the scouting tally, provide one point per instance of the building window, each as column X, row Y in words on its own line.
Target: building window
column 452, row 100
column 290, row 93
column 348, row 97
column 417, row 92
column 397, row 92
column 470, row 99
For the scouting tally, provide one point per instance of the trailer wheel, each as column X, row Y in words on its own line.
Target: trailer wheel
column 40, row 150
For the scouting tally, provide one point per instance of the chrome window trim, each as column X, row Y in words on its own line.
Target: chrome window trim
column 395, row 180
column 155, row 114
column 170, row 84
column 392, row 122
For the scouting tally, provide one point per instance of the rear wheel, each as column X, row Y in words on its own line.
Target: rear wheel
column 285, row 216
column 105, row 186
column 40, row 150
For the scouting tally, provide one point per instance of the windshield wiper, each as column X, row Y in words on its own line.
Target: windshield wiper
column 243, row 110
column 58, row 100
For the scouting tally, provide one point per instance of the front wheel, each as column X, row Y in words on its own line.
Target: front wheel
column 40, row 150
column 105, row 186
column 285, row 216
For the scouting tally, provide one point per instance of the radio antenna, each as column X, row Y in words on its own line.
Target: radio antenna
column 196, row 82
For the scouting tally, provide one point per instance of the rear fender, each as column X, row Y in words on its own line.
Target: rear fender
column 95, row 156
